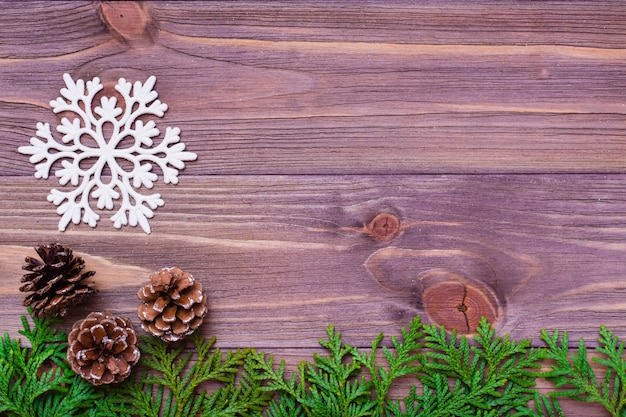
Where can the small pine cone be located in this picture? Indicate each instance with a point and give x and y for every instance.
(102, 348)
(55, 281)
(173, 304)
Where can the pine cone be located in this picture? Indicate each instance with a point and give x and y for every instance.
(173, 305)
(102, 348)
(55, 281)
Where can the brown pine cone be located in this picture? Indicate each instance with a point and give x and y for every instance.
(173, 304)
(55, 281)
(102, 348)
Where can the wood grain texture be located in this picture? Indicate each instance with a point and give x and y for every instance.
(296, 88)
(296, 253)
(359, 162)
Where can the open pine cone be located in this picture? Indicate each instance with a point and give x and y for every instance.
(173, 304)
(55, 281)
(102, 348)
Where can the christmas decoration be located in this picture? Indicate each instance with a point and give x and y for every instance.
(173, 304)
(112, 141)
(55, 281)
(439, 372)
(102, 348)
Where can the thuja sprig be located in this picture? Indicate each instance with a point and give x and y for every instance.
(437, 401)
(576, 377)
(330, 386)
(402, 361)
(492, 377)
(542, 406)
(335, 385)
(36, 380)
(447, 375)
(170, 384)
(495, 373)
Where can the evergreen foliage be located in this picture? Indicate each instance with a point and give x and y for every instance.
(448, 375)
(37, 381)
(171, 385)
(494, 376)
(575, 375)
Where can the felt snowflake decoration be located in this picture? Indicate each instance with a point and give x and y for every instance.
(107, 153)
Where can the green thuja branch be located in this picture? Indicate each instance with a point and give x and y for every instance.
(291, 399)
(493, 377)
(494, 374)
(438, 401)
(577, 377)
(543, 406)
(247, 398)
(336, 389)
(36, 381)
(171, 383)
(402, 361)
(446, 375)
(330, 386)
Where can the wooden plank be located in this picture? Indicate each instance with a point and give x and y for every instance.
(261, 96)
(46, 29)
(297, 253)
(318, 129)
(455, 22)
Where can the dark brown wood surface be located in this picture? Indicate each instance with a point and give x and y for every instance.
(358, 162)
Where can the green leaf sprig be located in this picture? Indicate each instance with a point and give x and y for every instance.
(169, 384)
(36, 380)
(495, 374)
(446, 375)
(577, 378)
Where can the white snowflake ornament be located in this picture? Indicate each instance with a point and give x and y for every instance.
(107, 153)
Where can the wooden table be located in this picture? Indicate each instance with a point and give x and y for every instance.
(358, 162)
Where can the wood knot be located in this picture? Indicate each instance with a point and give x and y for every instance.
(384, 226)
(459, 306)
(127, 20)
